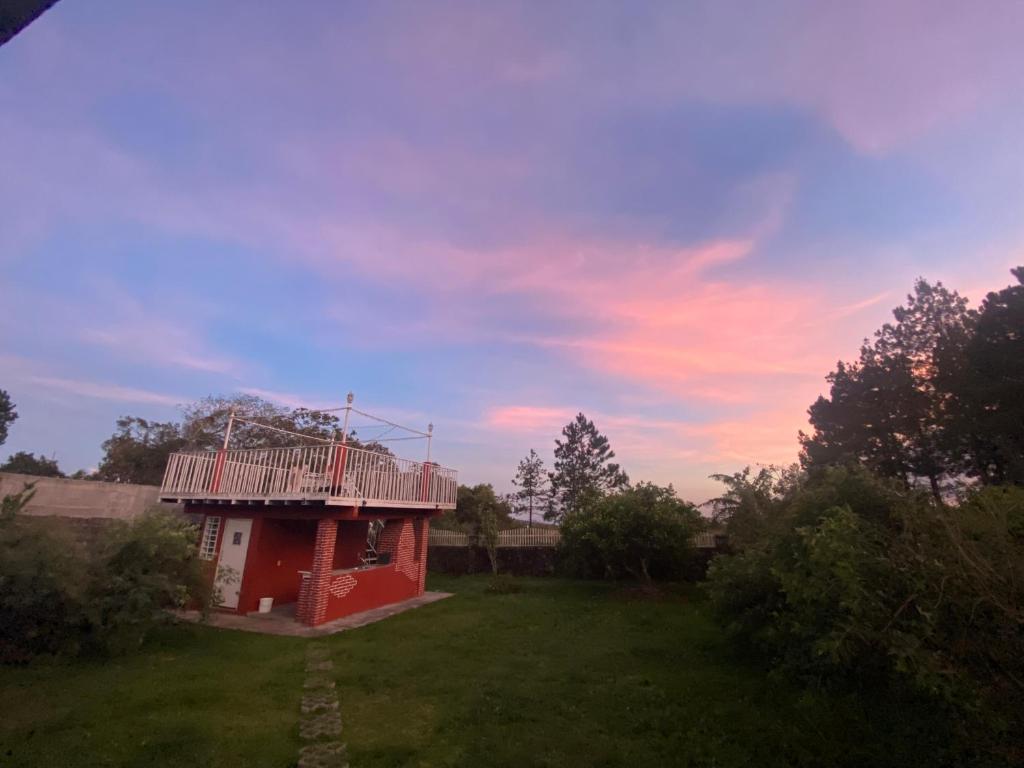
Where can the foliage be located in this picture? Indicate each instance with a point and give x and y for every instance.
(59, 599)
(30, 464)
(989, 409)
(138, 451)
(583, 469)
(7, 415)
(934, 398)
(41, 584)
(751, 506)
(143, 566)
(642, 532)
(864, 586)
(890, 410)
(206, 420)
(534, 486)
(480, 513)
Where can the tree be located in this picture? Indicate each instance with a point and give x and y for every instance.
(583, 469)
(138, 451)
(533, 483)
(480, 513)
(641, 532)
(891, 409)
(989, 426)
(206, 420)
(30, 464)
(752, 507)
(7, 415)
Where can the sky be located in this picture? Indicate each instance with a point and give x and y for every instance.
(674, 217)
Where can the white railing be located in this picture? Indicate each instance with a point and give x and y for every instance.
(529, 537)
(533, 537)
(705, 541)
(513, 537)
(309, 472)
(438, 538)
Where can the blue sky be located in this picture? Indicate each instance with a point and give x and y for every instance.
(675, 218)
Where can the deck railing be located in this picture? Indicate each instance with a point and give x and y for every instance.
(331, 471)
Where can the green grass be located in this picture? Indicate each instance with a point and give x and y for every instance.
(558, 674)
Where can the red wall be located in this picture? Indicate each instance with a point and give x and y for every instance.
(369, 588)
(362, 590)
(280, 547)
(278, 550)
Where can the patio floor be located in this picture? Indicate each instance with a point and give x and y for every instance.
(281, 620)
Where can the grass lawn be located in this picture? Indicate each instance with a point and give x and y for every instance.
(559, 674)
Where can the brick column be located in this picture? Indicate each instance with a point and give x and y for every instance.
(422, 529)
(312, 607)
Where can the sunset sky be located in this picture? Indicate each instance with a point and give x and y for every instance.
(674, 217)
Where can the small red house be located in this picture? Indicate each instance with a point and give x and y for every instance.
(332, 528)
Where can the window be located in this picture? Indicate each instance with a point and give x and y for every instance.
(208, 547)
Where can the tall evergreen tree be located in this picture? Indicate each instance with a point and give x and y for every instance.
(891, 409)
(988, 385)
(533, 485)
(583, 468)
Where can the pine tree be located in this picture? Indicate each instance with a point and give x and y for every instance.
(583, 468)
(533, 483)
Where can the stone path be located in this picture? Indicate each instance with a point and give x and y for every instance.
(320, 722)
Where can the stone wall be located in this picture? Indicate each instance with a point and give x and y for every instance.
(60, 497)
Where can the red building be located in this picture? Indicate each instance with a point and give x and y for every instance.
(332, 528)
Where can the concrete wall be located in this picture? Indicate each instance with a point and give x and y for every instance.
(83, 498)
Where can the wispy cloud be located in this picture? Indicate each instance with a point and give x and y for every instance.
(106, 391)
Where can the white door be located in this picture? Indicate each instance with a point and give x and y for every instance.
(231, 564)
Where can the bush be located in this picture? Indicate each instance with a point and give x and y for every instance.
(876, 590)
(41, 588)
(141, 568)
(56, 599)
(641, 533)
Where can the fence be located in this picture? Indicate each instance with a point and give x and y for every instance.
(535, 537)
(514, 537)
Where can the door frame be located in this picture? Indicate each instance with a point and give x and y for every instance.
(231, 592)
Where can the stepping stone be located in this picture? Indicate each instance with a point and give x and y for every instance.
(320, 666)
(317, 652)
(326, 754)
(318, 681)
(319, 726)
(317, 700)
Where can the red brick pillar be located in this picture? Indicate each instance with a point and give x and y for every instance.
(422, 529)
(312, 607)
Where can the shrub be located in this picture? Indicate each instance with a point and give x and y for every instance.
(56, 599)
(874, 589)
(143, 566)
(642, 533)
(41, 588)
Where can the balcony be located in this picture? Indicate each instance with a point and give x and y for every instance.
(326, 474)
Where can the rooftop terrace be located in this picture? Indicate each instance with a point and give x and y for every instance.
(330, 472)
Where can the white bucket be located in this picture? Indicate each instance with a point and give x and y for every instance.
(266, 603)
